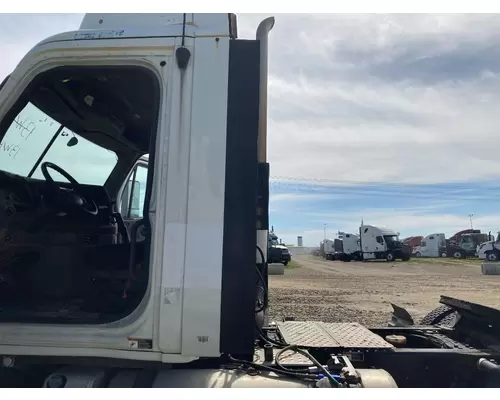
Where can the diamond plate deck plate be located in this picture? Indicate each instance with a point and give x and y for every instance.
(288, 358)
(331, 335)
(293, 358)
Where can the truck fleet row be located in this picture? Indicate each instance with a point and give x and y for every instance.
(373, 242)
(463, 244)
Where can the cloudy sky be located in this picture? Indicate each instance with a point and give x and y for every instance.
(389, 118)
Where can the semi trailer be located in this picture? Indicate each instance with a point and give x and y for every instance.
(88, 300)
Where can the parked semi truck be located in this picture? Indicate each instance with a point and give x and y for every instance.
(489, 250)
(332, 248)
(85, 302)
(351, 249)
(413, 241)
(464, 243)
(382, 243)
(277, 252)
(322, 248)
(433, 245)
(328, 249)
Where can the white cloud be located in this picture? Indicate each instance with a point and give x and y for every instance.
(395, 98)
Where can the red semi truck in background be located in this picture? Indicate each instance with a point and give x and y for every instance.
(464, 243)
(413, 241)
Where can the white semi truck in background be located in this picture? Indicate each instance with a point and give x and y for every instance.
(382, 243)
(489, 250)
(89, 299)
(332, 248)
(328, 249)
(433, 245)
(351, 249)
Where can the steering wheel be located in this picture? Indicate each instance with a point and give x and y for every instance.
(68, 198)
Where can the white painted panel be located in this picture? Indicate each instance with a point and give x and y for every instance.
(203, 264)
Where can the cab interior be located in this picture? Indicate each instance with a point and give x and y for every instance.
(74, 195)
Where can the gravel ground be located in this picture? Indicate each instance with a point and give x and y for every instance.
(333, 291)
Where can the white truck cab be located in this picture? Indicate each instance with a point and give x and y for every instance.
(382, 243)
(329, 248)
(489, 250)
(433, 245)
(351, 247)
(120, 145)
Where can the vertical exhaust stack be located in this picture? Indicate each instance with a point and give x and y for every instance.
(262, 35)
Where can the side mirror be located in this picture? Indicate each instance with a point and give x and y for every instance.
(136, 197)
(131, 208)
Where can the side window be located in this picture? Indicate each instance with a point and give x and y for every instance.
(133, 197)
(380, 240)
(424, 244)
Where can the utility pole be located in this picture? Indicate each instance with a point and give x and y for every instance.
(324, 228)
(470, 219)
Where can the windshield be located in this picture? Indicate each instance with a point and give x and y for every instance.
(34, 137)
(391, 238)
(466, 239)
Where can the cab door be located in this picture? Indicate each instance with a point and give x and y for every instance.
(155, 55)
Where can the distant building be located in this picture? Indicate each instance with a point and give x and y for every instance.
(299, 241)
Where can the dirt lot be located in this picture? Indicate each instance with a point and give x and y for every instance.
(333, 291)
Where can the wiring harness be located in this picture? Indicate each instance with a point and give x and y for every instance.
(313, 374)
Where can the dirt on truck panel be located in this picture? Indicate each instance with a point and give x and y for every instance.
(363, 291)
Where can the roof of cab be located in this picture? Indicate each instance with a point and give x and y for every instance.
(120, 26)
(204, 24)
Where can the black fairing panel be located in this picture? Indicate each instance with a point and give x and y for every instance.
(239, 247)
